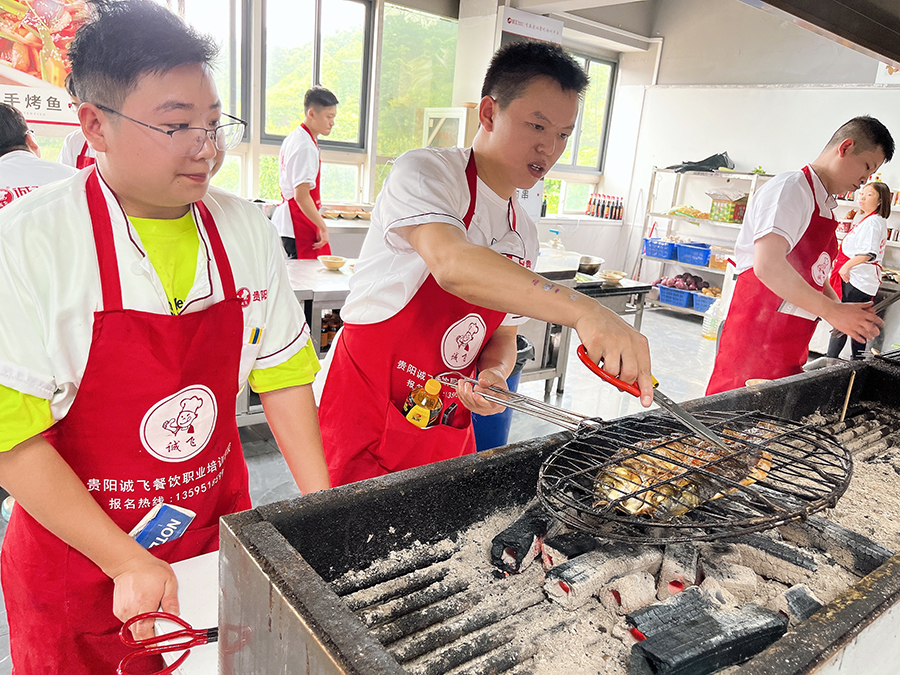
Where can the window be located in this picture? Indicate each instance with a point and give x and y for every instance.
(229, 176)
(222, 21)
(417, 65)
(587, 145)
(295, 60)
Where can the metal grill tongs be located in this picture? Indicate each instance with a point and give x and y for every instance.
(530, 406)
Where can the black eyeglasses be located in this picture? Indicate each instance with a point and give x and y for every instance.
(188, 141)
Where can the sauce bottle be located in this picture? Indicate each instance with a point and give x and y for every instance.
(423, 405)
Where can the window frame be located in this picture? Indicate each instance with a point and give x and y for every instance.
(573, 168)
(361, 146)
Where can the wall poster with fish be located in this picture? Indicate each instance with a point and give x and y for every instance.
(34, 44)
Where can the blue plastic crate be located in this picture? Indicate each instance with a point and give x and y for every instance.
(703, 302)
(694, 253)
(675, 296)
(659, 249)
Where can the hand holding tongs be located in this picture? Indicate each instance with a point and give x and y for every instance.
(530, 406)
(661, 399)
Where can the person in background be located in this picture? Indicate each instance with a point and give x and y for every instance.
(75, 149)
(445, 277)
(303, 231)
(784, 255)
(135, 302)
(857, 271)
(21, 167)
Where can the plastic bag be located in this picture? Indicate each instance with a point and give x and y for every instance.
(711, 163)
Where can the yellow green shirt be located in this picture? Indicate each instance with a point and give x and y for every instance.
(172, 247)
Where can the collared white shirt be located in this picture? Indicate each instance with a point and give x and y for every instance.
(783, 205)
(50, 286)
(429, 186)
(72, 146)
(298, 163)
(21, 171)
(869, 237)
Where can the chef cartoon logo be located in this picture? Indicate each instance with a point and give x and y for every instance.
(462, 341)
(244, 295)
(821, 269)
(178, 427)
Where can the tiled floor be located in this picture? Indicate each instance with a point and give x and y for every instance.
(682, 362)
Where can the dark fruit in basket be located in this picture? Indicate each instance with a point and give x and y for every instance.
(697, 280)
(705, 284)
(671, 283)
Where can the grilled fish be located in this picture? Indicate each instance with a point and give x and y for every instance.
(671, 477)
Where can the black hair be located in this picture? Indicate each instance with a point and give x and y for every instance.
(13, 129)
(884, 194)
(318, 97)
(126, 39)
(514, 66)
(867, 133)
(69, 84)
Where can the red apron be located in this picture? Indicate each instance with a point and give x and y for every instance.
(153, 421)
(306, 232)
(83, 158)
(375, 366)
(836, 281)
(758, 340)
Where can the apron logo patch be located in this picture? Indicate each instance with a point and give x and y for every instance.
(179, 427)
(462, 342)
(821, 269)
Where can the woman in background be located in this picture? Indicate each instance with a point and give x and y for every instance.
(857, 270)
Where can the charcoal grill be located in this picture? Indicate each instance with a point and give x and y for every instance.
(281, 607)
(805, 470)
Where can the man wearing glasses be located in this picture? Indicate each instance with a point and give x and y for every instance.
(135, 301)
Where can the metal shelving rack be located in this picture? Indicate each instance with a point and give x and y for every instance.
(654, 212)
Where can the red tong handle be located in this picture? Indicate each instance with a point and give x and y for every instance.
(615, 381)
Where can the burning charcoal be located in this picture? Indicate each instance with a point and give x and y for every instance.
(574, 582)
(629, 593)
(707, 642)
(798, 602)
(678, 570)
(773, 559)
(557, 550)
(519, 544)
(851, 550)
(738, 580)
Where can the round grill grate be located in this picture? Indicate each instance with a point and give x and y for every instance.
(650, 480)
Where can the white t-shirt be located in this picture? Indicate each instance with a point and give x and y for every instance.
(783, 205)
(429, 186)
(298, 163)
(868, 237)
(50, 286)
(72, 147)
(21, 171)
